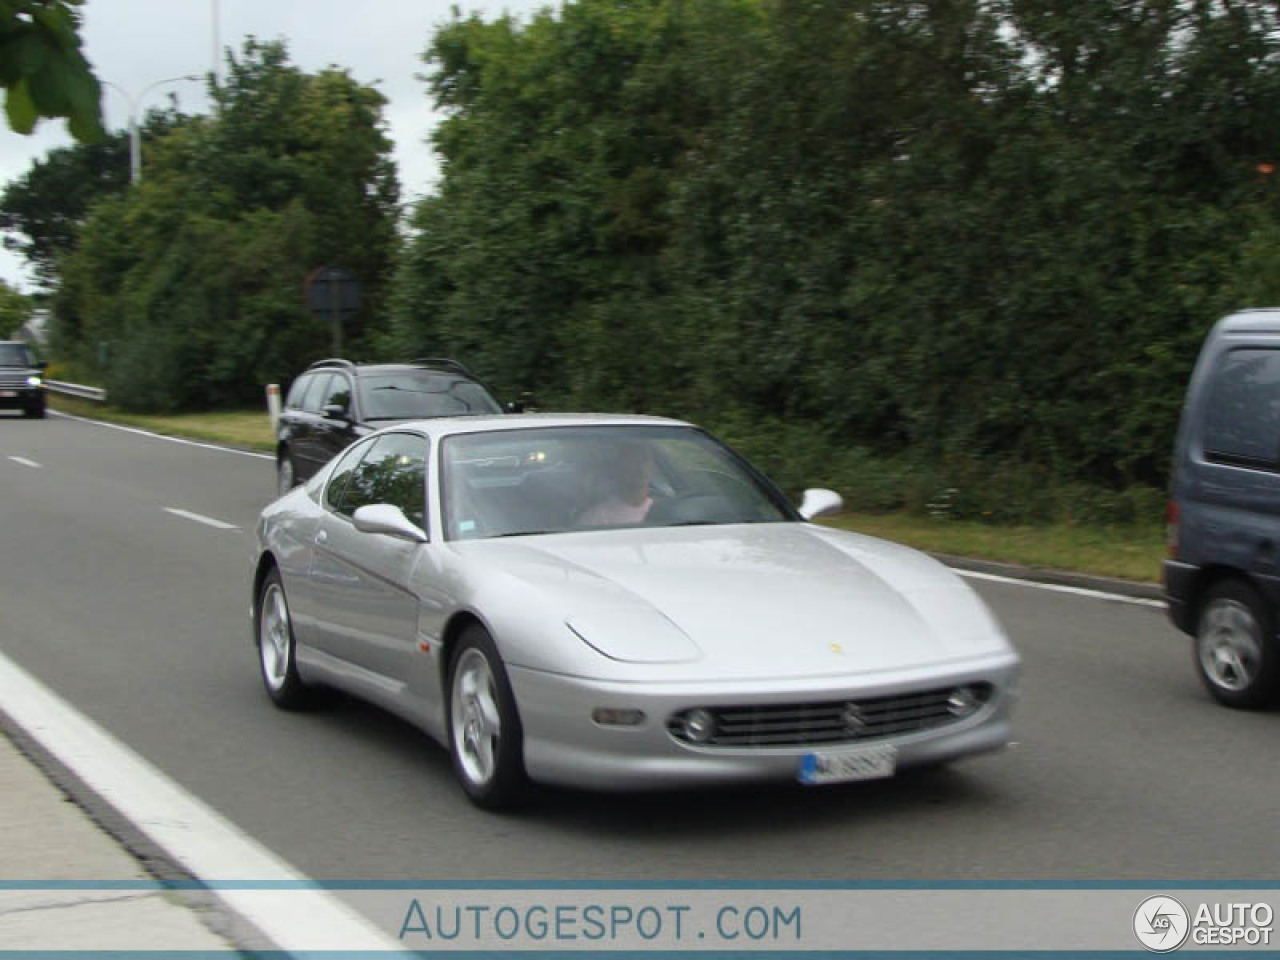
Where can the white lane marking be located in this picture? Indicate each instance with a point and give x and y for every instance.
(161, 436)
(25, 462)
(195, 835)
(1061, 588)
(200, 518)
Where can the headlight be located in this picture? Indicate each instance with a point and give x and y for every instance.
(34, 381)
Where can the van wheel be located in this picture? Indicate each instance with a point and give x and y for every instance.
(1235, 646)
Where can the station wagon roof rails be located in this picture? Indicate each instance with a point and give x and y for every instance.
(444, 362)
(332, 362)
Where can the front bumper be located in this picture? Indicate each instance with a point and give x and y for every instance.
(1179, 583)
(562, 745)
(21, 398)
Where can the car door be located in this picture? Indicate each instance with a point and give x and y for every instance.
(366, 609)
(333, 434)
(292, 426)
(306, 456)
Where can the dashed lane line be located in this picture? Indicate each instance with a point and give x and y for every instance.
(201, 518)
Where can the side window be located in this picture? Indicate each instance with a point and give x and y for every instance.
(337, 392)
(395, 472)
(1242, 416)
(342, 474)
(297, 391)
(319, 388)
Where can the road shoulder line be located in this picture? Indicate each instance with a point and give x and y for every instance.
(195, 837)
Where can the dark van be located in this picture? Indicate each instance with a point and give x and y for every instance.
(1222, 578)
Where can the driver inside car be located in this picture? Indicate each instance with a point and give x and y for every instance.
(623, 495)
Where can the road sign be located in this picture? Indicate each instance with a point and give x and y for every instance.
(334, 294)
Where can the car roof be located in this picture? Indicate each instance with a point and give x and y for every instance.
(438, 367)
(1251, 321)
(497, 423)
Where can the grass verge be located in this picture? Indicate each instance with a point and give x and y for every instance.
(1133, 553)
(247, 428)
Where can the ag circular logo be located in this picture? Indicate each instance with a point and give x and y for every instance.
(1161, 924)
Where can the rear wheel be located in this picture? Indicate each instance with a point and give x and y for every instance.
(277, 650)
(286, 475)
(1235, 646)
(486, 740)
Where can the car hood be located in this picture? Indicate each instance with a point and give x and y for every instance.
(751, 600)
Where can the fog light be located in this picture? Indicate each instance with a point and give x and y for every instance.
(699, 725)
(613, 717)
(963, 702)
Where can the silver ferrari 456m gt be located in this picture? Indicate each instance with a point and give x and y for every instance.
(617, 602)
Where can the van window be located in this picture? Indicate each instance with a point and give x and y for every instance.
(1242, 418)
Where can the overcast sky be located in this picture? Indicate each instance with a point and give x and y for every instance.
(134, 43)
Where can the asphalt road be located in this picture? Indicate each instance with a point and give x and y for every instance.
(1123, 768)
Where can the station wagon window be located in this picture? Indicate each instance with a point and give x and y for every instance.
(393, 471)
(1242, 417)
(337, 392)
(411, 394)
(297, 391)
(319, 388)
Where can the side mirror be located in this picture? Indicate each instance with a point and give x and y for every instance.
(818, 502)
(527, 403)
(334, 411)
(387, 519)
(42, 365)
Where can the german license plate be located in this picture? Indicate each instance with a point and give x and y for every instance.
(8, 393)
(844, 766)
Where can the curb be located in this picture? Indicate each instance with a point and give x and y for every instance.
(1061, 578)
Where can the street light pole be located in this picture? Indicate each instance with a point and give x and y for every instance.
(135, 135)
(217, 43)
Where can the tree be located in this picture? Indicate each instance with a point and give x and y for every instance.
(15, 310)
(186, 291)
(42, 210)
(42, 70)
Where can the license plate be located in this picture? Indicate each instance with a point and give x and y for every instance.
(844, 766)
(8, 393)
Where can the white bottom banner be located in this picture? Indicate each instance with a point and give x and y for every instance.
(694, 918)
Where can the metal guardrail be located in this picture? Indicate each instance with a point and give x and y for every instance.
(76, 390)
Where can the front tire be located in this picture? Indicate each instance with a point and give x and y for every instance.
(35, 411)
(277, 649)
(486, 740)
(1235, 646)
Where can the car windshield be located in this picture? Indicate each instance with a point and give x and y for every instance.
(414, 394)
(15, 355)
(554, 479)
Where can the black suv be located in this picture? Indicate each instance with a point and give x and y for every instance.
(21, 379)
(335, 402)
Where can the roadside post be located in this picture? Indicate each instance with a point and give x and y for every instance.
(273, 405)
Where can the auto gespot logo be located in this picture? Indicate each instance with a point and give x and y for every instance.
(1162, 924)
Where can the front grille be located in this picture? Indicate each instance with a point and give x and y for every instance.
(836, 721)
(13, 381)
